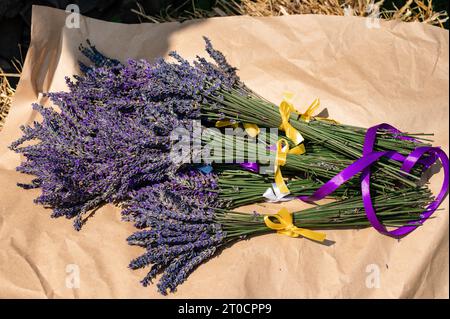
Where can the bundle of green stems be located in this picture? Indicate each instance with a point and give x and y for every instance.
(394, 209)
(240, 187)
(345, 140)
(317, 165)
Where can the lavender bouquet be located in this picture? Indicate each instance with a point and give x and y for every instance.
(182, 222)
(110, 134)
(110, 141)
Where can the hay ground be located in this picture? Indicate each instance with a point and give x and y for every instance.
(412, 10)
(7, 90)
(6, 94)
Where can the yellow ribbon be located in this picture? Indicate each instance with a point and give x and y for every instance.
(226, 123)
(280, 160)
(251, 129)
(285, 112)
(308, 115)
(285, 226)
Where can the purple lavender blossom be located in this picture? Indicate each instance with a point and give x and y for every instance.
(108, 141)
(109, 135)
(180, 231)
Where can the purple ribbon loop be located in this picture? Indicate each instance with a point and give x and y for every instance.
(363, 164)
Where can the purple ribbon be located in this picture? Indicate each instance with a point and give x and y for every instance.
(251, 166)
(363, 164)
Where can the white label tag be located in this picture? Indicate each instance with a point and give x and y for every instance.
(273, 194)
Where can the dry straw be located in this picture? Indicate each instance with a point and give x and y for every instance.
(6, 93)
(412, 10)
(6, 89)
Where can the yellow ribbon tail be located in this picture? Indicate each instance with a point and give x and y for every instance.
(310, 234)
(325, 119)
(285, 226)
(291, 132)
(307, 116)
(280, 160)
(226, 123)
(298, 150)
(281, 184)
(252, 129)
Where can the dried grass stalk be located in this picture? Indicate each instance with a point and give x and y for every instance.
(6, 94)
(6, 90)
(413, 10)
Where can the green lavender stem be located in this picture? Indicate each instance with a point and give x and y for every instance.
(315, 165)
(240, 187)
(340, 139)
(394, 209)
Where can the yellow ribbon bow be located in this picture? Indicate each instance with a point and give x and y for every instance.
(251, 129)
(285, 226)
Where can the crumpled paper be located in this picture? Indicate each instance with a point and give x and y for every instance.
(364, 72)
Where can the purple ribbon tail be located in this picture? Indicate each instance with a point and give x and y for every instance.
(251, 166)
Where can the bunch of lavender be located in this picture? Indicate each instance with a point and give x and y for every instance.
(177, 218)
(210, 85)
(219, 94)
(87, 157)
(318, 164)
(240, 104)
(110, 134)
(240, 187)
(108, 141)
(184, 222)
